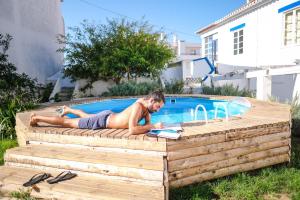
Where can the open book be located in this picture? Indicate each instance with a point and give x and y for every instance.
(171, 131)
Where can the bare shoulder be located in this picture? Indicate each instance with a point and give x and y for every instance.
(137, 106)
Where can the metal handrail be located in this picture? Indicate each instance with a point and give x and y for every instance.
(225, 108)
(205, 112)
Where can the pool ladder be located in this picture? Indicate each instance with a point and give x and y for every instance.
(225, 109)
(205, 112)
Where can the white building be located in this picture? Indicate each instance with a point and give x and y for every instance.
(180, 67)
(264, 35)
(34, 26)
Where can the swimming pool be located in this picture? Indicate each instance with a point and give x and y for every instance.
(176, 109)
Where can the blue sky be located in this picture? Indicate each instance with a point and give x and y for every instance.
(175, 16)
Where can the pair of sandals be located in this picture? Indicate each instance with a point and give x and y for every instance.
(66, 175)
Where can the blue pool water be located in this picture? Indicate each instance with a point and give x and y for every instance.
(176, 110)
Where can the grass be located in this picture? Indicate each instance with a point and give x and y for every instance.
(264, 183)
(6, 144)
(22, 195)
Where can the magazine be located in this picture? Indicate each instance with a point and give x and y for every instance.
(171, 131)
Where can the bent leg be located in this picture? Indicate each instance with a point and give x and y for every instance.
(64, 122)
(80, 113)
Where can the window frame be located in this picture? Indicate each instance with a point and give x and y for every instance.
(294, 27)
(238, 42)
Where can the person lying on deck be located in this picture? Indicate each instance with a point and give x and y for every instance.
(128, 118)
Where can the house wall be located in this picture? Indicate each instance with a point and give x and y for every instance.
(34, 25)
(263, 46)
(263, 38)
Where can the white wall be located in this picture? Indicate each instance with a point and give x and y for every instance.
(98, 88)
(263, 38)
(34, 25)
(282, 87)
(174, 72)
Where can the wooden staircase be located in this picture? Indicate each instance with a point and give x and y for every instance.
(106, 170)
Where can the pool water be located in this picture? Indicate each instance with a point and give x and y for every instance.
(176, 110)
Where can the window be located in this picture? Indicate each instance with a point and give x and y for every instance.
(211, 48)
(288, 33)
(292, 27)
(238, 42)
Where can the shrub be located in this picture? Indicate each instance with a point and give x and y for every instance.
(174, 87)
(227, 90)
(132, 88)
(17, 91)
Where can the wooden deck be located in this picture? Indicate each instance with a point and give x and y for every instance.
(259, 138)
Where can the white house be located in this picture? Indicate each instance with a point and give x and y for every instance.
(180, 67)
(260, 44)
(34, 25)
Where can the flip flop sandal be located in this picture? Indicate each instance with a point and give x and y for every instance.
(36, 179)
(66, 175)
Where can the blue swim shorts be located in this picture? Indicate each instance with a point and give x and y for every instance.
(95, 122)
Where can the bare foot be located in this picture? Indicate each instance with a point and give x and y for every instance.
(66, 110)
(63, 110)
(33, 121)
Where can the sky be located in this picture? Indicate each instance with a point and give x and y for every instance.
(180, 17)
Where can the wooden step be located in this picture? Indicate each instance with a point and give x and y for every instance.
(78, 188)
(118, 165)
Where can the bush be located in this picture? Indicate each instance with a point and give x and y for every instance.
(174, 87)
(17, 91)
(227, 90)
(132, 88)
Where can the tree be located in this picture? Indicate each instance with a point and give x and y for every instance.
(115, 50)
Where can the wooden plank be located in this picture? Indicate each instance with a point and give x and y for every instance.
(100, 132)
(197, 141)
(85, 188)
(116, 133)
(88, 156)
(62, 130)
(166, 178)
(212, 148)
(228, 162)
(89, 133)
(153, 139)
(106, 134)
(97, 141)
(127, 135)
(122, 133)
(255, 132)
(213, 157)
(229, 170)
(140, 137)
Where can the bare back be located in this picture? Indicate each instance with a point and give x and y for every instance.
(133, 114)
